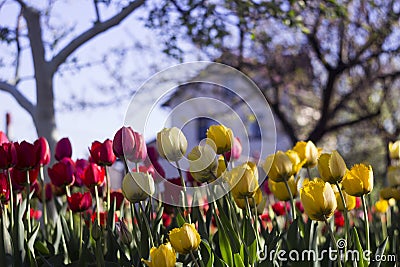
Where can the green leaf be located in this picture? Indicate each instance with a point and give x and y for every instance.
(224, 244)
(358, 246)
(32, 239)
(378, 253)
(41, 248)
(250, 239)
(206, 254)
(238, 260)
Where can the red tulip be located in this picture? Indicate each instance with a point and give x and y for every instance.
(117, 197)
(279, 208)
(236, 150)
(339, 219)
(94, 175)
(43, 151)
(103, 217)
(299, 206)
(3, 138)
(124, 142)
(62, 173)
(80, 166)
(18, 178)
(166, 218)
(36, 214)
(63, 149)
(153, 157)
(79, 202)
(27, 156)
(102, 153)
(8, 156)
(139, 152)
(4, 188)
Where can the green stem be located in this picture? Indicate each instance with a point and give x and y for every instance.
(80, 235)
(28, 205)
(96, 190)
(256, 224)
(194, 259)
(333, 239)
(345, 211)
(133, 231)
(292, 206)
(146, 222)
(71, 215)
(185, 201)
(309, 173)
(11, 198)
(366, 222)
(108, 189)
(44, 201)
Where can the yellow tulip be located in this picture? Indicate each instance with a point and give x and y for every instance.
(318, 199)
(331, 167)
(308, 152)
(381, 206)
(171, 144)
(221, 136)
(297, 163)
(350, 200)
(203, 163)
(394, 149)
(137, 186)
(241, 202)
(278, 166)
(163, 256)
(243, 180)
(221, 166)
(359, 180)
(390, 192)
(279, 189)
(393, 175)
(184, 239)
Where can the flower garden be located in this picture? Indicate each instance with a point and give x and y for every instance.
(312, 210)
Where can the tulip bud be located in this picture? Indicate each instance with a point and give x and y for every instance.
(393, 176)
(63, 149)
(8, 156)
(241, 202)
(43, 151)
(171, 144)
(243, 180)
(331, 167)
(124, 234)
(184, 239)
(359, 180)
(102, 153)
(27, 157)
(3, 138)
(297, 163)
(278, 166)
(318, 199)
(94, 175)
(280, 191)
(394, 149)
(163, 256)
(139, 152)
(308, 152)
(62, 173)
(203, 163)
(382, 206)
(137, 186)
(79, 202)
(96, 231)
(124, 142)
(221, 136)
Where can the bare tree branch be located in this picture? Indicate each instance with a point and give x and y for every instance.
(351, 122)
(19, 97)
(92, 32)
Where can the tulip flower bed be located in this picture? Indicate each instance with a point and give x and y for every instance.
(312, 210)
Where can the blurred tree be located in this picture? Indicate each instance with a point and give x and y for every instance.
(323, 66)
(50, 48)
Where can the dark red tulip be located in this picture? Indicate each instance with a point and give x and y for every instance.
(19, 179)
(79, 202)
(279, 208)
(80, 166)
(3, 138)
(27, 158)
(4, 188)
(124, 142)
(116, 197)
(339, 219)
(153, 157)
(43, 151)
(8, 156)
(94, 175)
(62, 173)
(63, 149)
(167, 219)
(48, 192)
(102, 153)
(299, 206)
